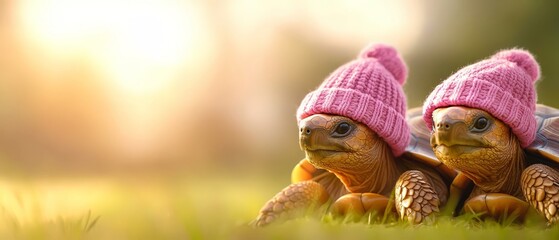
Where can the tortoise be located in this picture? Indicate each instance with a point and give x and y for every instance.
(486, 124)
(370, 173)
(352, 165)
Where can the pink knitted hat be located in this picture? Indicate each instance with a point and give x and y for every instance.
(368, 90)
(502, 85)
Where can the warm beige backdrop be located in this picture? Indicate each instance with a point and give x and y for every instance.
(206, 86)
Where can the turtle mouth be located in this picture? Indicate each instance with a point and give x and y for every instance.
(324, 158)
(457, 143)
(321, 152)
(456, 149)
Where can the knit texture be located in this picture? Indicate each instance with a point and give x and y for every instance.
(368, 90)
(502, 85)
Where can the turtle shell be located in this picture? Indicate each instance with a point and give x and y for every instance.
(419, 148)
(545, 148)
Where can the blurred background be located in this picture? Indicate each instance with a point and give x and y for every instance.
(206, 87)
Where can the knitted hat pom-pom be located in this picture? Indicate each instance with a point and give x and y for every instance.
(522, 59)
(389, 58)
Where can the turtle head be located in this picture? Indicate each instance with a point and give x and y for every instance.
(472, 141)
(335, 142)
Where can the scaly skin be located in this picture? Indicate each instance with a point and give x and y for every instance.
(490, 156)
(540, 184)
(297, 197)
(416, 198)
(364, 165)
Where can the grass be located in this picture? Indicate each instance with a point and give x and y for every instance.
(197, 208)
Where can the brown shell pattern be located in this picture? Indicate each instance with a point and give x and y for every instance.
(546, 145)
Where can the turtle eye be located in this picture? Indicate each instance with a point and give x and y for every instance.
(481, 124)
(342, 130)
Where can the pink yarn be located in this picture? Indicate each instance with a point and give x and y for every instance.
(502, 85)
(389, 58)
(368, 90)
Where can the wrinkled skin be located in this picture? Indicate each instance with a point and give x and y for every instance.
(361, 173)
(351, 157)
(487, 156)
(486, 152)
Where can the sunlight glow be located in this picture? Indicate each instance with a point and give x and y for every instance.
(141, 74)
(140, 46)
(143, 53)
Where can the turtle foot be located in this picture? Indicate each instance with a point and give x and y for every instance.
(415, 197)
(540, 185)
(498, 206)
(293, 201)
(357, 205)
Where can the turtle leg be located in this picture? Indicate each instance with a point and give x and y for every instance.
(415, 197)
(460, 188)
(293, 201)
(497, 206)
(540, 185)
(356, 205)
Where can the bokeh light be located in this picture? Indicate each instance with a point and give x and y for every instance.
(102, 86)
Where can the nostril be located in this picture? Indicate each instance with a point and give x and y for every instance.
(443, 126)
